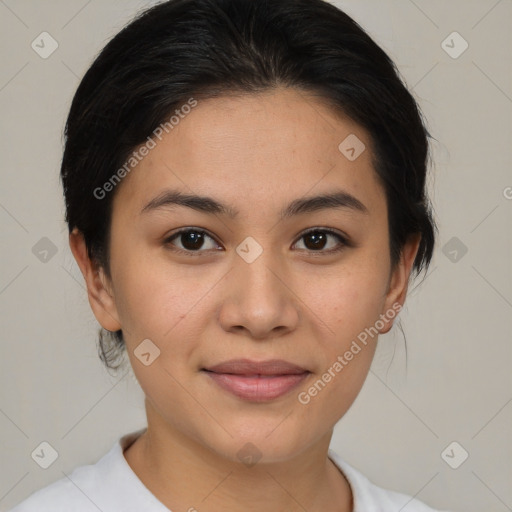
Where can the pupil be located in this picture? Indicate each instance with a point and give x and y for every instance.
(318, 240)
(192, 240)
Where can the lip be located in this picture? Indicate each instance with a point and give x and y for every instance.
(270, 367)
(257, 381)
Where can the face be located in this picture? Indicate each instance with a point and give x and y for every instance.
(236, 278)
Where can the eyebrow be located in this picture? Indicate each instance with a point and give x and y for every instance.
(204, 204)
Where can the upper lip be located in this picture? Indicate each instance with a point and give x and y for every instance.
(249, 367)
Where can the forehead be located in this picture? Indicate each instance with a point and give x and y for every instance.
(260, 148)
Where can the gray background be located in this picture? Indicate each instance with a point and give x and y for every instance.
(456, 383)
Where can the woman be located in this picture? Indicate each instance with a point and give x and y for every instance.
(245, 194)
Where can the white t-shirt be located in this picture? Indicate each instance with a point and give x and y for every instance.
(110, 485)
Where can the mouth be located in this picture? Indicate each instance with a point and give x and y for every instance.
(257, 381)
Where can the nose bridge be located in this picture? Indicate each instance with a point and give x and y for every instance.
(255, 272)
(257, 298)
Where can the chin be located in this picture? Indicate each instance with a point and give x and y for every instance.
(261, 442)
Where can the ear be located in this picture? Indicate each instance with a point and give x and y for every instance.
(399, 280)
(101, 297)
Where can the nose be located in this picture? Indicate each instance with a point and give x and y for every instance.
(259, 300)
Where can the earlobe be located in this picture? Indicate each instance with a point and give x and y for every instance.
(399, 281)
(101, 298)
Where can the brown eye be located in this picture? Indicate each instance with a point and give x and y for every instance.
(318, 240)
(191, 240)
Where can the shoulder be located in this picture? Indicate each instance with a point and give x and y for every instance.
(368, 497)
(68, 493)
(109, 484)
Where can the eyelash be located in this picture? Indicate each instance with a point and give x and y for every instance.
(344, 242)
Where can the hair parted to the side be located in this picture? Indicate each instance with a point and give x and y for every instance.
(207, 48)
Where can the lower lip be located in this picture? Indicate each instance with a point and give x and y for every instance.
(260, 388)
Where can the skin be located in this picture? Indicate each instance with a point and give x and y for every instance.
(256, 153)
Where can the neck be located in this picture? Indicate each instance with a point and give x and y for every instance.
(186, 475)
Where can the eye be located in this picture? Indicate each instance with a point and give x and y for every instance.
(191, 240)
(317, 240)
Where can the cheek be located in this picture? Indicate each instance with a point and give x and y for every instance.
(167, 306)
(349, 299)
(161, 301)
(349, 306)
